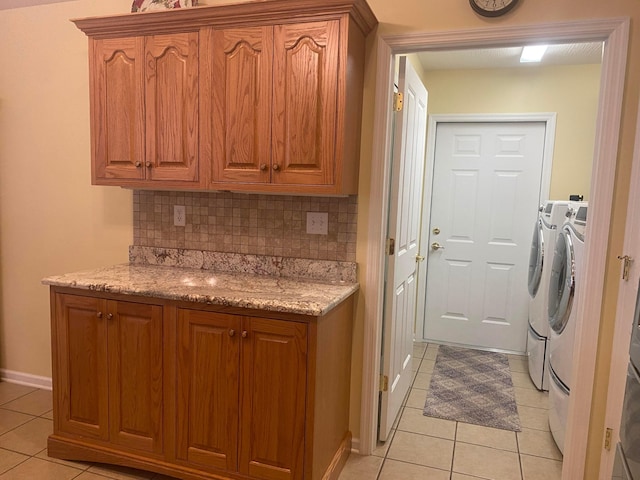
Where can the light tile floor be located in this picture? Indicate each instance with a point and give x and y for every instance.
(419, 447)
(422, 447)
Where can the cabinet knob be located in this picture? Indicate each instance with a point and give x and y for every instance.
(245, 334)
(99, 314)
(109, 316)
(138, 164)
(232, 332)
(149, 164)
(263, 166)
(276, 167)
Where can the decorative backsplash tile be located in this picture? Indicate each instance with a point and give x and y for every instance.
(246, 223)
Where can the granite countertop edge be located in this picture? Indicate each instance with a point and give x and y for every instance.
(252, 291)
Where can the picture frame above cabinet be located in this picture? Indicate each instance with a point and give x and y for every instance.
(251, 97)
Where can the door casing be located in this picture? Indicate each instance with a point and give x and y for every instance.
(615, 33)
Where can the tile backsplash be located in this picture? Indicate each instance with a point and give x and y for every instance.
(246, 223)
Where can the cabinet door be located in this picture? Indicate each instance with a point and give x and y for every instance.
(273, 396)
(171, 81)
(117, 109)
(207, 385)
(239, 83)
(80, 366)
(305, 90)
(135, 375)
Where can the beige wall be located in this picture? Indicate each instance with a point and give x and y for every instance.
(53, 221)
(569, 91)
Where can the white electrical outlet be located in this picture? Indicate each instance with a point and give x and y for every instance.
(179, 216)
(318, 223)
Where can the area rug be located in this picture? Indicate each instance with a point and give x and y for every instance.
(472, 386)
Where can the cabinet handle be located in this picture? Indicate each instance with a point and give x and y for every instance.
(109, 316)
(245, 334)
(232, 332)
(263, 166)
(149, 164)
(99, 314)
(276, 167)
(138, 164)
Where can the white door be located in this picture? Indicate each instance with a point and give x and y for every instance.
(486, 192)
(404, 228)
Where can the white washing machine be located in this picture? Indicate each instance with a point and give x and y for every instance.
(565, 282)
(552, 216)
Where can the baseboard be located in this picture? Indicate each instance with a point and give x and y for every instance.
(25, 379)
(355, 445)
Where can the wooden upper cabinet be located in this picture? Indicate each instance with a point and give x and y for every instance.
(256, 96)
(145, 113)
(171, 94)
(305, 108)
(238, 81)
(117, 105)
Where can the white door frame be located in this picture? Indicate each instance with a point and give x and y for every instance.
(615, 33)
(625, 310)
(549, 120)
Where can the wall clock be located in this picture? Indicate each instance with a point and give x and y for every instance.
(492, 8)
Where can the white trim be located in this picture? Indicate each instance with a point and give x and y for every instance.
(625, 309)
(26, 379)
(603, 179)
(378, 212)
(614, 31)
(355, 446)
(549, 119)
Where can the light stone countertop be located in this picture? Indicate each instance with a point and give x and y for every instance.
(263, 292)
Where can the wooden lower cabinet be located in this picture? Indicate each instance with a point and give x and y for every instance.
(195, 392)
(108, 371)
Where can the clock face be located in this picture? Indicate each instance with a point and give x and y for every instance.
(492, 8)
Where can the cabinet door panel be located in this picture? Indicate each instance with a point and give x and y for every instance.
(135, 375)
(305, 72)
(172, 107)
(207, 406)
(80, 350)
(274, 369)
(241, 101)
(117, 101)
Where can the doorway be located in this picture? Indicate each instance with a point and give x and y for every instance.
(615, 33)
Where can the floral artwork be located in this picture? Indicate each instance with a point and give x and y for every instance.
(151, 5)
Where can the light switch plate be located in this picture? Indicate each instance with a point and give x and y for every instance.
(318, 223)
(179, 216)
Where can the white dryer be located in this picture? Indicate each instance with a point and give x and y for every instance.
(552, 216)
(565, 282)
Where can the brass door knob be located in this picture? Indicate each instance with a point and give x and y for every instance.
(99, 314)
(419, 258)
(245, 334)
(276, 167)
(436, 246)
(232, 332)
(263, 166)
(149, 164)
(138, 164)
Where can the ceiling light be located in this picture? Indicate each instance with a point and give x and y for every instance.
(532, 53)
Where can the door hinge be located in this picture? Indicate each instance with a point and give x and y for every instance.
(391, 246)
(384, 383)
(608, 434)
(398, 101)
(626, 265)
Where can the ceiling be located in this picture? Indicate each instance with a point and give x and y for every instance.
(509, 57)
